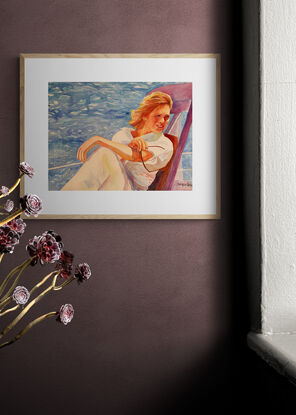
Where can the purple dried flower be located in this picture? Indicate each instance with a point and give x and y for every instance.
(21, 295)
(82, 272)
(46, 247)
(4, 190)
(65, 264)
(9, 205)
(8, 239)
(32, 249)
(66, 313)
(17, 225)
(25, 168)
(31, 204)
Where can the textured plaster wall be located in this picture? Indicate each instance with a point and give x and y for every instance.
(152, 328)
(278, 165)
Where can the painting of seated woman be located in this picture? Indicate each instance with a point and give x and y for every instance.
(119, 136)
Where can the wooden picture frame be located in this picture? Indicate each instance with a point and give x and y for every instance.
(67, 98)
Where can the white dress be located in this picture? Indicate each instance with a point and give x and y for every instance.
(130, 175)
(161, 148)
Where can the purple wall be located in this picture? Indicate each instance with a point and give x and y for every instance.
(152, 326)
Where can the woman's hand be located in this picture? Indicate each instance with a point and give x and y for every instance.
(86, 147)
(138, 144)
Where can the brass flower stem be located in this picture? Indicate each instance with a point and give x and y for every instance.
(42, 282)
(13, 216)
(27, 308)
(16, 280)
(12, 272)
(59, 287)
(10, 275)
(12, 188)
(8, 300)
(5, 302)
(1, 257)
(9, 310)
(28, 327)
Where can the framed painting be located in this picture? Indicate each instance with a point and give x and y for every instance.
(122, 136)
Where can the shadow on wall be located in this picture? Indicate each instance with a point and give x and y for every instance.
(141, 342)
(202, 386)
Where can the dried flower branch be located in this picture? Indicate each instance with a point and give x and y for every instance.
(25, 168)
(5, 191)
(31, 204)
(46, 248)
(82, 272)
(28, 307)
(21, 295)
(5, 302)
(16, 280)
(28, 327)
(66, 314)
(65, 264)
(11, 217)
(12, 272)
(9, 205)
(8, 239)
(9, 299)
(9, 310)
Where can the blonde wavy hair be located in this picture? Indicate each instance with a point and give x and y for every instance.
(147, 105)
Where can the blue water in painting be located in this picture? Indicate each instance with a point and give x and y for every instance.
(79, 110)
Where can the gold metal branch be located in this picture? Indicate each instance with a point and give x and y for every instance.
(42, 282)
(1, 257)
(13, 216)
(9, 299)
(5, 302)
(17, 279)
(28, 327)
(12, 188)
(9, 310)
(12, 272)
(59, 287)
(27, 308)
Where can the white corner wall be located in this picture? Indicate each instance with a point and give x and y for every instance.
(278, 165)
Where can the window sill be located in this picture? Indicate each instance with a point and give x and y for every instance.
(278, 350)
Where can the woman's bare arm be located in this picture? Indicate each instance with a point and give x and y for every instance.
(123, 150)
